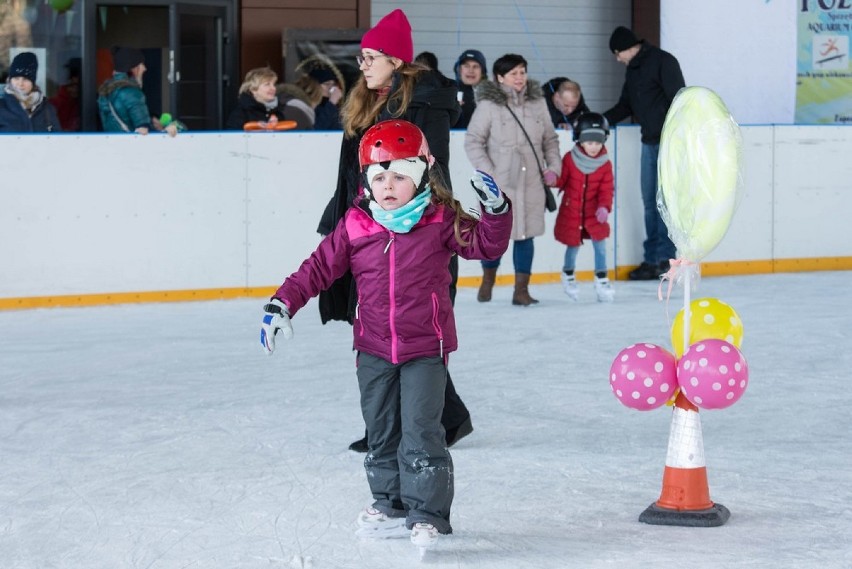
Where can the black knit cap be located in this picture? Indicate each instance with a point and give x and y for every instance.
(126, 58)
(24, 65)
(621, 39)
(322, 74)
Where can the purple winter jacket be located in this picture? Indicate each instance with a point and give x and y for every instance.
(404, 310)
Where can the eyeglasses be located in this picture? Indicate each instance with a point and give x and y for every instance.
(368, 59)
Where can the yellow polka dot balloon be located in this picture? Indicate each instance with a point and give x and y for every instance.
(710, 318)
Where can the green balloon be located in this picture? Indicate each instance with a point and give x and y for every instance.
(61, 5)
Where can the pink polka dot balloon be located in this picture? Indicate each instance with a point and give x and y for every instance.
(713, 374)
(643, 376)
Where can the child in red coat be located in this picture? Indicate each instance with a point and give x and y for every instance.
(587, 188)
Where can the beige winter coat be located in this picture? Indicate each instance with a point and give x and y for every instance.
(496, 144)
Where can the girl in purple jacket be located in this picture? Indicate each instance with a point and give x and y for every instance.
(397, 241)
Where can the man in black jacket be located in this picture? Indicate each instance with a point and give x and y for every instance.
(652, 80)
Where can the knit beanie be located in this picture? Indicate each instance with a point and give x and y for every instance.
(468, 55)
(592, 134)
(392, 36)
(126, 58)
(322, 74)
(621, 39)
(24, 65)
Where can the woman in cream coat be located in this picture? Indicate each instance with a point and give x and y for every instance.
(495, 142)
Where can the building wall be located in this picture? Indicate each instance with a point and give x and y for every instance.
(263, 21)
(567, 38)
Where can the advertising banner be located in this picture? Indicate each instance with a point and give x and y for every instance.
(824, 76)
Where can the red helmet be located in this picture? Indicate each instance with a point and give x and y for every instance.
(392, 140)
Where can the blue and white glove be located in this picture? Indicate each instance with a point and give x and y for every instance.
(488, 193)
(276, 319)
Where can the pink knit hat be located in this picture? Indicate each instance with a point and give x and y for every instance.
(392, 36)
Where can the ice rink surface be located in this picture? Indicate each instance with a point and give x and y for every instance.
(160, 436)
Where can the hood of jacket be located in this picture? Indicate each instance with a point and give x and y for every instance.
(118, 81)
(492, 91)
(433, 90)
(289, 91)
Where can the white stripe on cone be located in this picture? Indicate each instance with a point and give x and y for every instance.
(686, 446)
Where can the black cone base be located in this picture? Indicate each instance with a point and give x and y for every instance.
(709, 518)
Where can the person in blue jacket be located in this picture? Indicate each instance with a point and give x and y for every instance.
(23, 107)
(121, 102)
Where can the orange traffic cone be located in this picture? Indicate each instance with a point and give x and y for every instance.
(685, 499)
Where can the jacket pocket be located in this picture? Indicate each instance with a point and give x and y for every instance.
(436, 324)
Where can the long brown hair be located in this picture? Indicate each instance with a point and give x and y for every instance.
(441, 195)
(363, 106)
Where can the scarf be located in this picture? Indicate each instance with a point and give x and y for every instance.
(271, 105)
(29, 102)
(402, 219)
(585, 163)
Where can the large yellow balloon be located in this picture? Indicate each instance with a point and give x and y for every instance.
(710, 319)
(699, 171)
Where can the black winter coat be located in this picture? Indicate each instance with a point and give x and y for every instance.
(468, 105)
(13, 117)
(651, 82)
(434, 109)
(556, 116)
(250, 110)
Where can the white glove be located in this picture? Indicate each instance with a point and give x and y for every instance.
(488, 193)
(276, 319)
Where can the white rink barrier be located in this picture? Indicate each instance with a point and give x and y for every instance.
(96, 218)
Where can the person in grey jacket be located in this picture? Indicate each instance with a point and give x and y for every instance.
(509, 110)
(397, 241)
(652, 80)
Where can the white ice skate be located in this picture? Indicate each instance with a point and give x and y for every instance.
(373, 524)
(604, 290)
(569, 285)
(424, 536)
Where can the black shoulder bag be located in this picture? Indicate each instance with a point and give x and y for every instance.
(549, 200)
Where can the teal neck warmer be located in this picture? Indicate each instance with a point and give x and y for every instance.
(401, 220)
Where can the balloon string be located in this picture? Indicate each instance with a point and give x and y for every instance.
(678, 268)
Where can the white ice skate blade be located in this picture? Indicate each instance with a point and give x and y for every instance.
(384, 532)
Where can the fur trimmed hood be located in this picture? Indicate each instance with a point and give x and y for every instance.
(118, 81)
(492, 91)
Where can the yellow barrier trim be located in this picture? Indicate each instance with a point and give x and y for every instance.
(134, 297)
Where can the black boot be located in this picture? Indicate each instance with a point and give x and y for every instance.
(456, 434)
(644, 272)
(360, 445)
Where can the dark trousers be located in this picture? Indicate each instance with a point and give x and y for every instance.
(658, 245)
(408, 466)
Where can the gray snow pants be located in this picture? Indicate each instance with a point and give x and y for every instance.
(408, 466)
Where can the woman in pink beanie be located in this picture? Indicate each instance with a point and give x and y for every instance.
(392, 87)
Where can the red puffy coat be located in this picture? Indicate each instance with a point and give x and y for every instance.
(582, 195)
